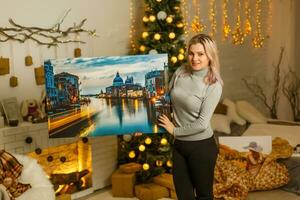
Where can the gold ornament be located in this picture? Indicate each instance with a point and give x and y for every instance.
(180, 56)
(179, 25)
(169, 19)
(181, 50)
(152, 18)
(172, 35)
(142, 147)
(173, 59)
(146, 166)
(148, 140)
(169, 163)
(142, 48)
(131, 154)
(145, 34)
(159, 163)
(158, 0)
(164, 141)
(145, 19)
(157, 36)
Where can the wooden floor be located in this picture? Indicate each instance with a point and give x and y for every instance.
(105, 194)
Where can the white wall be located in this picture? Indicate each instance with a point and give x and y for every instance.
(112, 22)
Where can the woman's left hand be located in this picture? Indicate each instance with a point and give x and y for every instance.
(166, 123)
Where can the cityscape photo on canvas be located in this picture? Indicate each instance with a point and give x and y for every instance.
(106, 95)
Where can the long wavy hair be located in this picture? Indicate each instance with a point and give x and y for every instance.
(211, 51)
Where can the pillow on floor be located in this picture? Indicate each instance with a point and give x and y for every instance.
(232, 113)
(220, 123)
(250, 113)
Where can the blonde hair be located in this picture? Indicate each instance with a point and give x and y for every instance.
(211, 51)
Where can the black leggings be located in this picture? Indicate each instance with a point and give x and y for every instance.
(193, 168)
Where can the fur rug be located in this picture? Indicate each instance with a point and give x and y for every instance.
(33, 174)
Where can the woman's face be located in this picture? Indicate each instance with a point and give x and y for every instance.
(197, 57)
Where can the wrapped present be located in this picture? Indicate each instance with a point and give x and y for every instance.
(123, 184)
(63, 197)
(4, 66)
(173, 194)
(165, 180)
(150, 191)
(130, 167)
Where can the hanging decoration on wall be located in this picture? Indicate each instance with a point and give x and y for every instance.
(28, 58)
(4, 66)
(212, 18)
(77, 50)
(237, 34)
(247, 23)
(13, 80)
(226, 26)
(39, 75)
(258, 39)
(196, 25)
(43, 36)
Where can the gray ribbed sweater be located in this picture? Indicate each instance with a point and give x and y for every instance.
(193, 104)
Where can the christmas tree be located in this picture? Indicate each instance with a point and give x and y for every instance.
(164, 34)
(164, 29)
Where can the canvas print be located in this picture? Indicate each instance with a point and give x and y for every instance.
(106, 95)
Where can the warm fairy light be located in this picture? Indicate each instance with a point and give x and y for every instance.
(145, 34)
(247, 24)
(174, 59)
(152, 18)
(185, 12)
(145, 19)
(169, 19)
(212, 17)
(270, 18)
(158, 0)
(148, 140)
(157, 36)
(164, 141)
(132, 27)
(226, 26)
(237, 34)
(258, 39)
(169, 163)
(180, 56)
(142, 48)
(146, 166)
(172, 35)
(142, 147)
(131, 154)
(196, 25)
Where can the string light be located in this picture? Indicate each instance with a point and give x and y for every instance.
(212, 17)
(237, 35)
(258, 39)
(270, 18)
(226, 26)
(196, 25)
(185, 12)
(132, 27)
(247, 27)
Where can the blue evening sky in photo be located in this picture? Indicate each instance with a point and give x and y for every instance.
(98, 73)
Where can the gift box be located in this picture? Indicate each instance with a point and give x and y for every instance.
(4, 66)
(165, 180)
(123, 184)
(173, 194)
(150, 191)
(130, 167)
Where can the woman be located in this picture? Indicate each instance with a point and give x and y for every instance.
(195, 91)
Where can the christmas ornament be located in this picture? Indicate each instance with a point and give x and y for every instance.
(159, 163)
(173, 59)
(142, 48)
(153, 51)
(161, 15)
(142, 147)
(131, 154)
(145, 34)
(169, 19)
(158, 1)
(164, 141)
(146, 166)
(179, 25)
(181, 50)
(180, 56)
(157, 36)
(148, 140)
(169, 163)
(172, 35)
(127, 138)
(145, 19)
(152, 18)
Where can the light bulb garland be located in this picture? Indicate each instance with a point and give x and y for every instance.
(270, 18)
(212, 18)
(185, 12)
(196, 25)
(237, 34)
(132, 27)
(247, 24)
(258, 39)
(226, 26)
